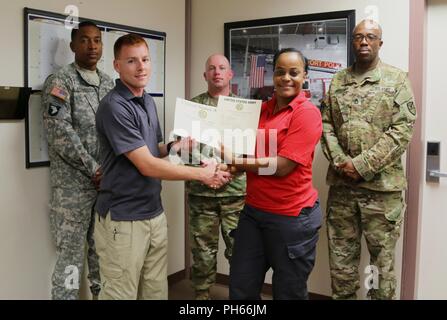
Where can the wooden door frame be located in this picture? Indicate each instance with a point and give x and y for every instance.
(415, 155)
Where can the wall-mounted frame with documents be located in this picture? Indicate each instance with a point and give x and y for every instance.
(324, 38)
(47, 40)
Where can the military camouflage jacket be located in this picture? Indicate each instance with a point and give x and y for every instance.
(69, 104)
(369, 119)
(236, 187)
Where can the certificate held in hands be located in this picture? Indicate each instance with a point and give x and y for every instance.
(197, 121)
(233, 123)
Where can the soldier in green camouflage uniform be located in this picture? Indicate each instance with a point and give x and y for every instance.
(368, 119)
(210, 208)
(70, 99)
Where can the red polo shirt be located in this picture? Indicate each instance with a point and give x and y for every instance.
(298, 130)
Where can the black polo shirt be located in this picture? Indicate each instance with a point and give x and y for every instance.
(125, 123)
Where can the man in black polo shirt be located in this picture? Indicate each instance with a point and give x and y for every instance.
(131, 231)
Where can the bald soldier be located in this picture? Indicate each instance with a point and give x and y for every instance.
(368, 119)
(209, 208)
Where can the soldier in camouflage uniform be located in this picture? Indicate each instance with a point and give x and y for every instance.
(210, 208)
(368, 119)
(70, 99)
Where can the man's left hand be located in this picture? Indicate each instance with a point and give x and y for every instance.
(185, 145)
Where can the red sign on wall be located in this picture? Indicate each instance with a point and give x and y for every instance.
(324, 64)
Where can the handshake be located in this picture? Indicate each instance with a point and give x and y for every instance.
(213, 174)
(216, 175)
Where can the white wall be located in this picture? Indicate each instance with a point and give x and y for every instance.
(432, 257)
(27, 253)
(208, 18)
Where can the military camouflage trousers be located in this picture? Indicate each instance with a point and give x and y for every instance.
(378, 215)
(71, 225)
(205, 216)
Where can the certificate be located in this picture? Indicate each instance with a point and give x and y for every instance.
(233, 123)
(197, 121)
(239, 119)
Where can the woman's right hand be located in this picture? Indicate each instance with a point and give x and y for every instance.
(228, 167)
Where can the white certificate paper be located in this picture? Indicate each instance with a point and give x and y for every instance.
(233, 123)
(239, 123)
(197, 121)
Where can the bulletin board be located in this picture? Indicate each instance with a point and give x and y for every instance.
(47, 49)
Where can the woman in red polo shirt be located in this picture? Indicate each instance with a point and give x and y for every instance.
(278, 228)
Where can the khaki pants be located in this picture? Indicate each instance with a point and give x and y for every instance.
(132, 258)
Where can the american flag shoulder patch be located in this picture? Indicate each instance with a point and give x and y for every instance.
(59, 93)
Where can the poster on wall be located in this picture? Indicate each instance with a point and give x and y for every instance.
(324, 38)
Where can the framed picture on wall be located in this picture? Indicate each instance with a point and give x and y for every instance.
(324, 38)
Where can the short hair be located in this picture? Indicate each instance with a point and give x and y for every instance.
(130, 39)
(286, 50)
(86, 23)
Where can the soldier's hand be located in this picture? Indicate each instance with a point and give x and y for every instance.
(225, 153)
(349, 170)
(96, 179)
(185, 145)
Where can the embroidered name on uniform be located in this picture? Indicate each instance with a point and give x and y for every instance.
(53, 110)
(59, 93)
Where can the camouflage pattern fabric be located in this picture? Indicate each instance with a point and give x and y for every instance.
(205, 216)
(378, 215)
(370, 121)
(69, 101)
(368, 118)
(70, 216)
(236, 187)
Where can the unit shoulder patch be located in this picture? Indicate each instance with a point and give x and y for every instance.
(53, 110)
(411, 108)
